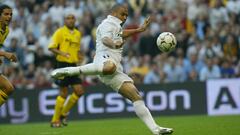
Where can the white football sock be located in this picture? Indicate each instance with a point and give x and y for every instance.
(88, 69)
(144, 114)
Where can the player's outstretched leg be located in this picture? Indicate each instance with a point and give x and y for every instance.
(55, 122)
(88, 69)
(63, 72)
(68, 106)
(128, 90)
(3, 97)
(6, 89)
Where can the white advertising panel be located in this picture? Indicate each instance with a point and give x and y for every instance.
(223, 97)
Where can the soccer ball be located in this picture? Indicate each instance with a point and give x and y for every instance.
(166, 42)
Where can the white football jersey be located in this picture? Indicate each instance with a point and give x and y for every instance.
(110, 27)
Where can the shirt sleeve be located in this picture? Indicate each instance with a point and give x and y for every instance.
(107, 30)
(55, 40)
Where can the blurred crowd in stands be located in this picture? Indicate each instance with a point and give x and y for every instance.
(207, 32)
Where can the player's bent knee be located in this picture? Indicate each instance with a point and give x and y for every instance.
(63, 93)
(79, 92)
(109, 68)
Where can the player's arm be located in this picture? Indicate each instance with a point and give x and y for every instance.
(58, 52)
(107, 41)
(54, 45)
(2, 53)
(107, 37)
(143, 27)
(8, 55)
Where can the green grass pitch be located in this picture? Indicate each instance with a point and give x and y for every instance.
(183, 125)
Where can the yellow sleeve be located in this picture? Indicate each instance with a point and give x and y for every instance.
(56, 39)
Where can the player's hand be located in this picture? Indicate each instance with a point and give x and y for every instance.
(11, 56)
(146, 23)
(118, 44)
(67, 55)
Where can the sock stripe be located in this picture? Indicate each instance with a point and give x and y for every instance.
(3, 95)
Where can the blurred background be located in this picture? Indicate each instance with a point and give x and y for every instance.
(207, 54)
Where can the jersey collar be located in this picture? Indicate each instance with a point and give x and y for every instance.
(65, 27)
(114, 19)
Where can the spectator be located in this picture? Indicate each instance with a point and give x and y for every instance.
(129, 61)
(193, 76)
(195, 9)
(207, 50)
(147, 44)
(230, 48)
(227, 71)
(209, 71)
(57, 11)
(137, 6)
(153, 76)
(218, 14)
(174, 71)
(40, 81)
(193, 63)
(143, 68)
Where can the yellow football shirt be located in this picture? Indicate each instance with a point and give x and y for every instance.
(67, 41)
(3, 35)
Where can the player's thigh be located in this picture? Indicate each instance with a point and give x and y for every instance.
(116, 80)
(104, 61)
(5, 85)
(78, 89)
(129, 91)
(109, 67)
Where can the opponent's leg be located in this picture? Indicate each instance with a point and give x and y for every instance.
(3, 97)
(6, 89)
(58, 107)
(78, 92)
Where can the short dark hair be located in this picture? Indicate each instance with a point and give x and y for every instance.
(116, 7)
(2, 7)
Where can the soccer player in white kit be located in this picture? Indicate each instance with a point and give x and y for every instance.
(106, 64)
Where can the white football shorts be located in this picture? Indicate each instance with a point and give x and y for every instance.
(115, 80)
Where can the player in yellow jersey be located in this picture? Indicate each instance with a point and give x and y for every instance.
(6, 88)
(65, 45)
